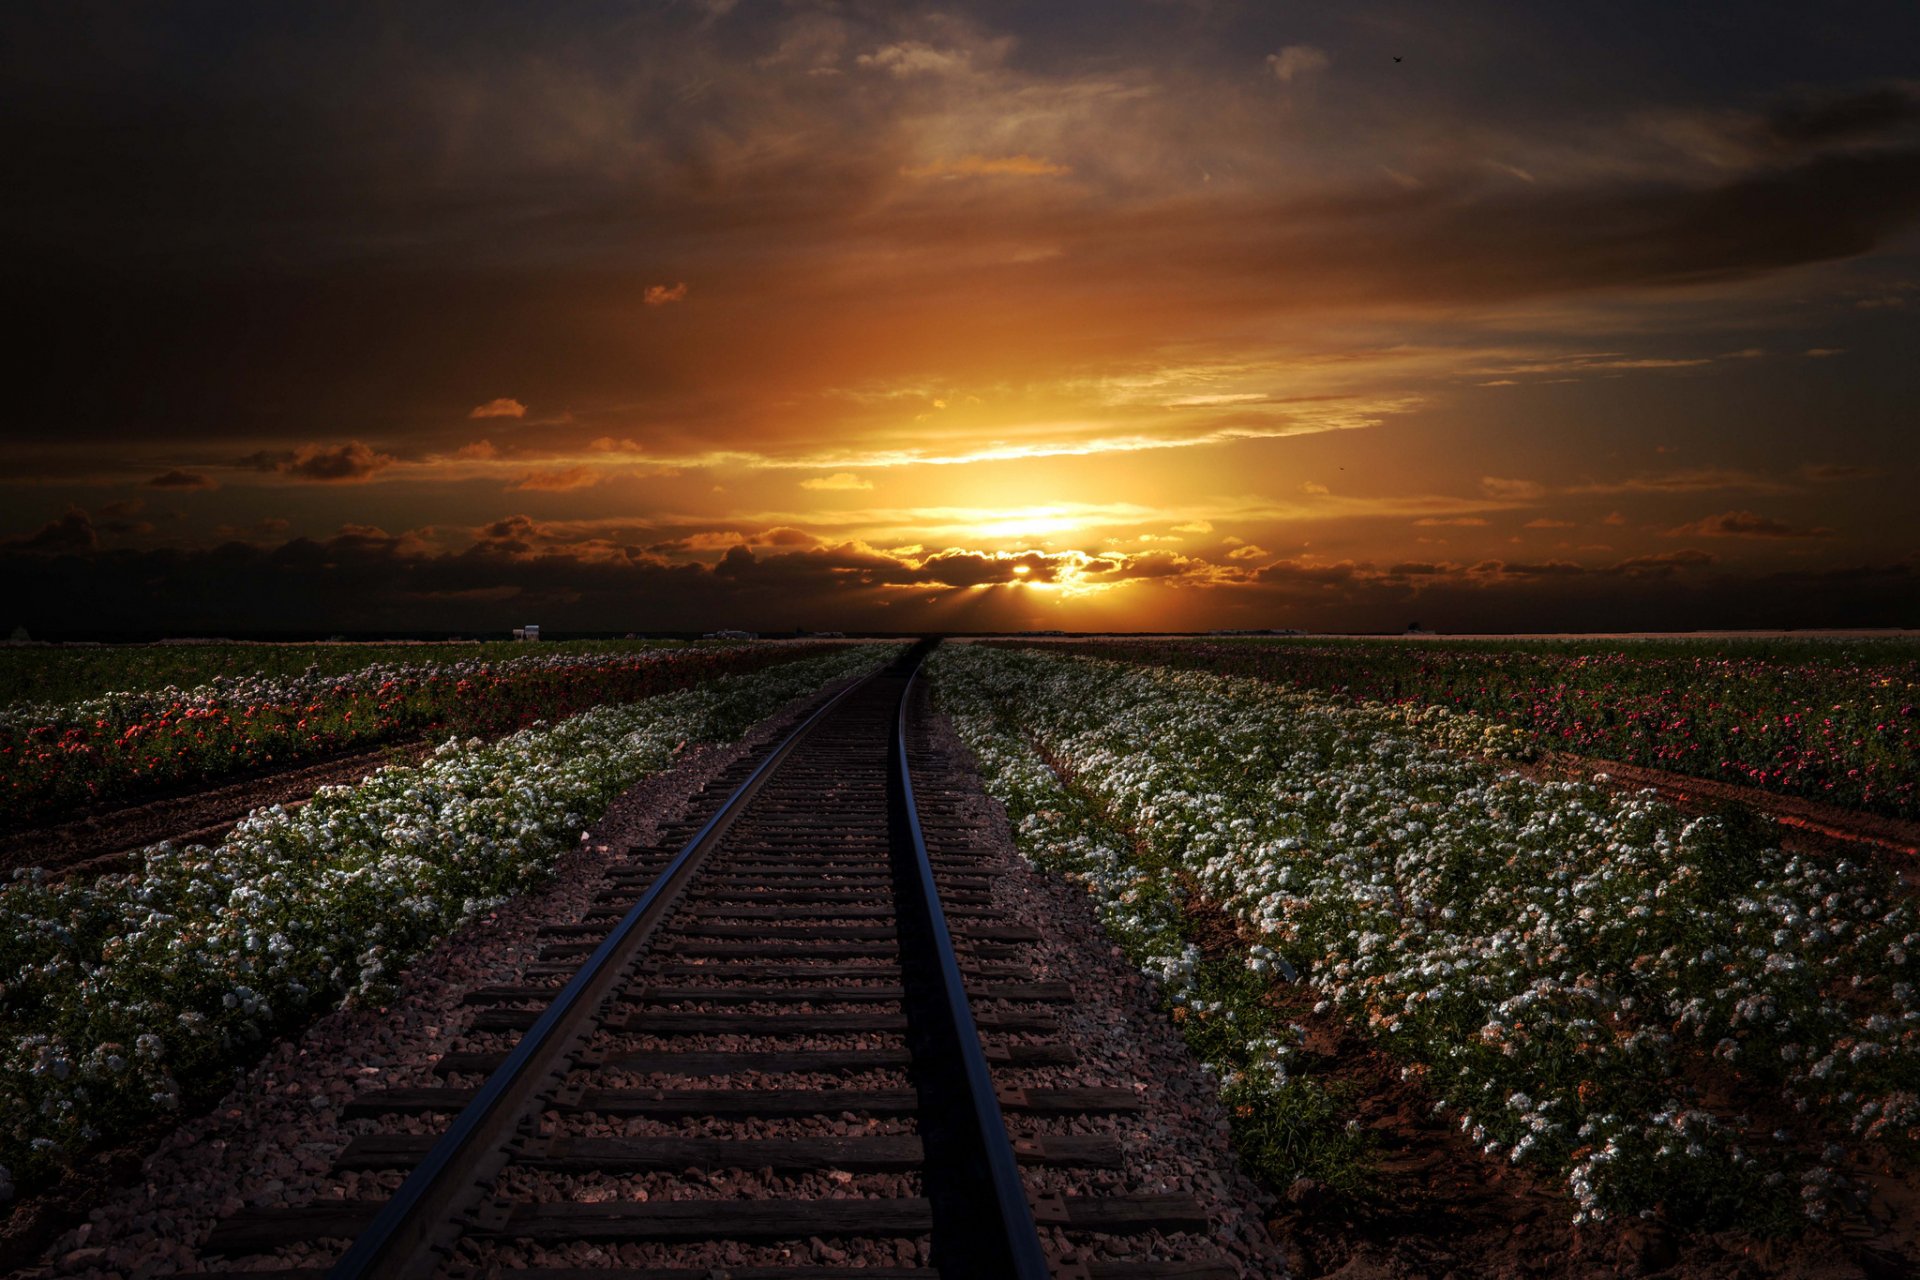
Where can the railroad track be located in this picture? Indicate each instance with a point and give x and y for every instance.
(802, 1043)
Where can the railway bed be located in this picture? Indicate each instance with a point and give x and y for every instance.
(793, 1038)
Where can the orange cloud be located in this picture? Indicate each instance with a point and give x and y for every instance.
(560, 480)
(978, 166)
(1745, 524)
(659, 295)
(838, 481)
(349, 463)
(505, 407)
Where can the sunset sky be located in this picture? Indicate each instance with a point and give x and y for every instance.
(1171, 314)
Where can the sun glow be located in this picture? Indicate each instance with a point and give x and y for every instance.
(1031, 522)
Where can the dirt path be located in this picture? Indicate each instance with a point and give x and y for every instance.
(103, 842)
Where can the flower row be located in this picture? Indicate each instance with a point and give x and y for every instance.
(1831, 721)
(128, 746)
(119, 994)
(1670, 1012)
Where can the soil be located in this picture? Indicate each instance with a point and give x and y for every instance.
(105, 841)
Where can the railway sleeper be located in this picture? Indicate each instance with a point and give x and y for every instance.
(1041, 992)
(1094, 1269)
(263, 1230)
(764, 1061)
(740, 1102)
(670, 1022)
(878, 1154)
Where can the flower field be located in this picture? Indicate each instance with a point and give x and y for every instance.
(121, 994)
(1667, 1014)
(74, 672)
(1837, 721)
(123, 747)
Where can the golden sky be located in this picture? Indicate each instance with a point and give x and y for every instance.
(1152, 315)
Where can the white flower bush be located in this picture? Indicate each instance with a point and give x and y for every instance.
(117, 992)
(1669, 1011)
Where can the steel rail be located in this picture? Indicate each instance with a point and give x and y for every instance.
(402, 1238)
(1014, 1237)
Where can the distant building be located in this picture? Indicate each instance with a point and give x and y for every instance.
(529, 632)
(731, 635)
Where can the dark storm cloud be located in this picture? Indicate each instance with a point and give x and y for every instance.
(61, 581)
(973, 569)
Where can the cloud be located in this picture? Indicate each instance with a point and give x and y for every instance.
(259, 530)
(72, 532)
(1662, 564)
(505, 407)
(1314, 488)
(659, 295)
(1546, 569)
(1843, 116)
(1470, 522)
(1744, 524)
(177, 479)
(1544, 523)
(1297, 60)
(1506, 490)
(1822, 353)
(977, 166)
(593, 573)
(1194, 526)
(837, 482)
(348, 463)
(909, 58)
(1696, 480)
(558, 480)
(1827, 472)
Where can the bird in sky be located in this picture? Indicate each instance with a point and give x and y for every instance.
(1396, 57)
